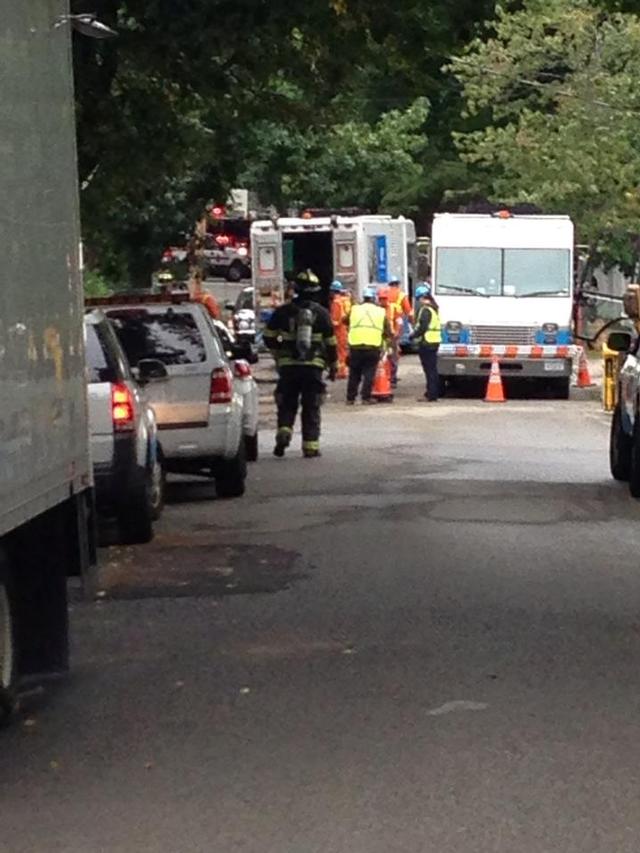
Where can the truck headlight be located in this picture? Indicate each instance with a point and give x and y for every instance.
(453, 330)
(550, 333)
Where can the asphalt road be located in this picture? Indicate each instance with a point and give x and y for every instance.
(427, 640)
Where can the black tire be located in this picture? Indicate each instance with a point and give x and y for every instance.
(619, 448)
(8, 651)
(135, 517)
(634, 466)
(251, 447)
(230, 475)
(235, 272)
(157, 490)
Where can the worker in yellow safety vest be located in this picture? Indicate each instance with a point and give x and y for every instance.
(428, 333)
(369, 331)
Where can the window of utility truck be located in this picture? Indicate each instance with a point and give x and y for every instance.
(503, 272)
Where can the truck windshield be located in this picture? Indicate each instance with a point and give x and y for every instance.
(503, 272)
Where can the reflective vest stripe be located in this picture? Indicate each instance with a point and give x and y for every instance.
(433, 335)
(366, 326)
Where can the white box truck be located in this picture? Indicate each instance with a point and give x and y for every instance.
(357, 250)
(45, 476)
(504, 284)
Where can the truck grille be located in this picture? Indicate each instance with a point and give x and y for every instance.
(517, 335)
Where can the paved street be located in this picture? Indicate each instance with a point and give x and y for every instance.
(427, 640)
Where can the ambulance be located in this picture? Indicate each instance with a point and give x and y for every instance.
(360, 251)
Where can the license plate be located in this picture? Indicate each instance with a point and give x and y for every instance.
(554, 366)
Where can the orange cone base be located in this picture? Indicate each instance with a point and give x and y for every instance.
(495, 388)
(382, 390)
(584, 376)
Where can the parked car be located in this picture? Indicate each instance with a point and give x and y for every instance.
(127, 466)
(243, 318)
(247, 385)
(200, 405)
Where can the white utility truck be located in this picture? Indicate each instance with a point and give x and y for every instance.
(504, 284)
(357, 250)
(45, 476)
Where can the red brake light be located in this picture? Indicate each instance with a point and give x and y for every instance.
(122, 408)
(242, 369)
(221, 385)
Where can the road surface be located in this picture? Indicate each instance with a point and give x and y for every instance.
(427, 640)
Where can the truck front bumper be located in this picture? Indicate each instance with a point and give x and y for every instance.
(451, 366)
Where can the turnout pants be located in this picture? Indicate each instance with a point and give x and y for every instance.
(429, 361)
(363, 362)
(300, 385)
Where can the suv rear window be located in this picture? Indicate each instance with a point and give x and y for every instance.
(172, 337)
(102, 365)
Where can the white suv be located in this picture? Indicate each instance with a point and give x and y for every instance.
(124, 441)
(200, 405)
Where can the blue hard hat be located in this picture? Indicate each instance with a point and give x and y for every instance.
(337, 287)
(370, 293)
(422, 290)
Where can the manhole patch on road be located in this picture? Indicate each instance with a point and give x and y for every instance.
(182, 571)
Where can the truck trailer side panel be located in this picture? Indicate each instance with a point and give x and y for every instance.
(45, 475)
(43, 434)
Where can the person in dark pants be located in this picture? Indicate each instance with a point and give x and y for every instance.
(368, 329)
(428, 333)
(300, 335)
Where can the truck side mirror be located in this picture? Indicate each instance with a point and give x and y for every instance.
(619, 341)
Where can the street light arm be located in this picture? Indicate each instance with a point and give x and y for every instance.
(87, 25)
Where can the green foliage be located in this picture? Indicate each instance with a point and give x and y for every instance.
(95, 284)
(354, 163)
(557, 83)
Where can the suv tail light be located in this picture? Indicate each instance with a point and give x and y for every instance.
(122, 408)
(221, 385)
(242, 369)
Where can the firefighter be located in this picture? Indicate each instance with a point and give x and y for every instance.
(340, 307)
(400, 307)
(368, 331)
(301, 338)
(428, 333)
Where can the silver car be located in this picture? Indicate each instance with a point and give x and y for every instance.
(200, 404)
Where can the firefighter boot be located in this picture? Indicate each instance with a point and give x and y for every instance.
(283, 440)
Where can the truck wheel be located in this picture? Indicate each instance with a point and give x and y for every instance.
(135, 516)
(157, 490)
(634, 466)
(230, 475)
(619, 448)
(235, 272)
(8, 656)
(251, 447)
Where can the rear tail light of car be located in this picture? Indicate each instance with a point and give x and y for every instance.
(242, 369)
(122, 408)
(221, 385)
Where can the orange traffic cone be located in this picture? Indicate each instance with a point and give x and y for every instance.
(382, 390)
(495, 389)
(584, 376)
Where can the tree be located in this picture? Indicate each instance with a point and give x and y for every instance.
(164, 109)
(349, 164)
(556, 84)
